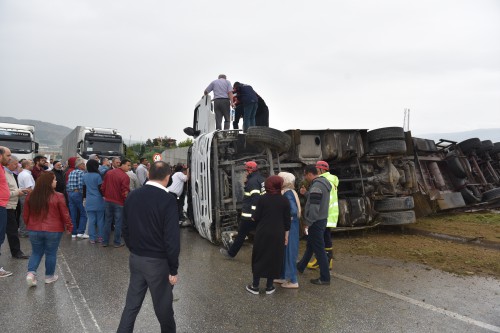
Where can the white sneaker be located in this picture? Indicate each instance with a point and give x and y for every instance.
(82, 236)
(31, 280)
(73, 236)
(51, 279)
(4, 273)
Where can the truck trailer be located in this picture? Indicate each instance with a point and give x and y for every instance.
(84, 141)
(20, 139)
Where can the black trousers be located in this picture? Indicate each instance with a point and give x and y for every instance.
(244, 229)
(149, 273)
(11, 232)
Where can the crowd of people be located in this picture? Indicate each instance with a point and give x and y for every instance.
(146, 210)
(272, 209)
(41, 199)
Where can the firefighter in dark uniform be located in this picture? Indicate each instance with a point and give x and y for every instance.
(254, 188)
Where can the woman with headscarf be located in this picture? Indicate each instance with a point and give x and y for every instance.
(272, 216)
(94, 202)
(289, 273)
(46, 216)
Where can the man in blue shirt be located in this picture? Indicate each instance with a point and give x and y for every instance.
(247, 97)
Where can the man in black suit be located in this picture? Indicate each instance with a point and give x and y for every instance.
(151, 232)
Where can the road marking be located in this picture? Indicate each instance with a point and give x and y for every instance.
(420, 303)
(73, 288)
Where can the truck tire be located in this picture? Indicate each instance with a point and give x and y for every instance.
(491, 195)
(397, 218)
(388, 147)
(263, 136)
(496, 148)
(470, 145)
(386, 133)
(486, 146)
(424, 145)
(394, 204)
(420, 144)
(471, 195)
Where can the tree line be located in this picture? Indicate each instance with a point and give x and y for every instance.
(153, 146)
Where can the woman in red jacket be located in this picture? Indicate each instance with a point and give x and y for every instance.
(46, 216)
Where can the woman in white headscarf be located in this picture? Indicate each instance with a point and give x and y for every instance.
(289, 272)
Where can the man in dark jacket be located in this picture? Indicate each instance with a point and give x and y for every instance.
(248, 98)
(151, 232)
(59, 172)
(315, 216)
(253, 189)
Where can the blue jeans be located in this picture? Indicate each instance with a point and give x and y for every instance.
(96, 219)
(3, 224)
(44, 242)
(316, 245)
(76, 207)
(249, 112)
(113, 212)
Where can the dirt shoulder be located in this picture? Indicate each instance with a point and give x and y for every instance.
(449, 256)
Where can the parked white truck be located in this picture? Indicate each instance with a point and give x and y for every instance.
(20, 139)
(84, 141)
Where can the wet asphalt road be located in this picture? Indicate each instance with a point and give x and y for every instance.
(366, 295)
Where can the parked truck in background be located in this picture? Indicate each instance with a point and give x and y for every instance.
(84, 141)
(20, 139)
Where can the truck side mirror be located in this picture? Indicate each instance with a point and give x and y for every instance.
(36, 146)
(189, 131)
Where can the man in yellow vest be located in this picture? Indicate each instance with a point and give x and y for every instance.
(333, 212)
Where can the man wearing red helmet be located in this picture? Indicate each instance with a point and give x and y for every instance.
(333, 212)
(254, 187)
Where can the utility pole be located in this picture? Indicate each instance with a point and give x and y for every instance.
(406, 120)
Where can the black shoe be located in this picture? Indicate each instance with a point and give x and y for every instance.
(319, 282)
(299, 270)
(252, 290)
(21, 255)
(271, 290)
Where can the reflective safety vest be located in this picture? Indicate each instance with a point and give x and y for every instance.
(333, 209)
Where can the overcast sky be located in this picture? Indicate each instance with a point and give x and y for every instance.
(141, 66)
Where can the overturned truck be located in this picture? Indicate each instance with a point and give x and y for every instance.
(386, 176)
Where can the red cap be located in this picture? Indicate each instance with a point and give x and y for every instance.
(251, 166)
(322, 165)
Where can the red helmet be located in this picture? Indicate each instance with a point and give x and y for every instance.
(322, 165)
(251, 166)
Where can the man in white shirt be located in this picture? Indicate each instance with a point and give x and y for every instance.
(179, 178)
(25, 179)
(26, 182)
(142, 171)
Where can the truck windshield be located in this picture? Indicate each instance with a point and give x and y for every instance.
(102, 147)
(17, 146)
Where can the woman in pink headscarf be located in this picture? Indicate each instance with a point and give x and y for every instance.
(272, 215)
